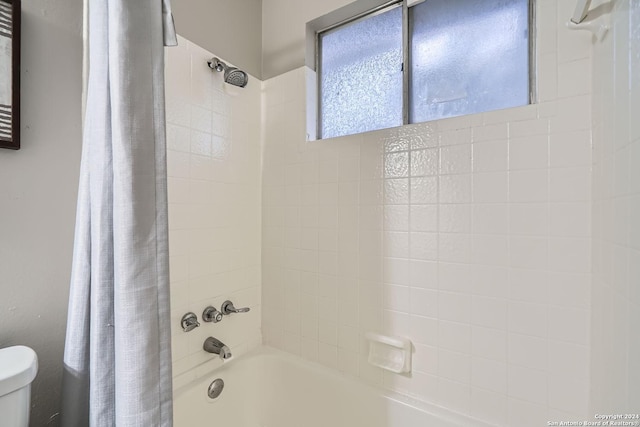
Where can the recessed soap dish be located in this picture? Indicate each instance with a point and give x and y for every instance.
(390, 353)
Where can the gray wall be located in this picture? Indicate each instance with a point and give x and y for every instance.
(284, 32)
(229, 28)
(38, 187)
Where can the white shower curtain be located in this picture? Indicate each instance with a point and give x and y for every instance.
(117, 361)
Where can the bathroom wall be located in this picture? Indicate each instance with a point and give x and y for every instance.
(284, 32)
(213, 136)
(470, 236)
(615, 350)
(231, 28)
(38, 188)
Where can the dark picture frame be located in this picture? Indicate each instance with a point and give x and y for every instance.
(10, 11)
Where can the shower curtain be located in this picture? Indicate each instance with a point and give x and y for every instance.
(117, 360)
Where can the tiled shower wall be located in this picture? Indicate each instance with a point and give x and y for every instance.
(470, 236)
(615, 317)
(213, 136)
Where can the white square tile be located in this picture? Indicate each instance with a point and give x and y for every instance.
(490, 218)
(328, 332)
(424, 190)
(490, 156)
(396, 191)
(529, 186)
(348, 338)
(528, 252)
(548, 75)
(490, 281)
(526, 414)
(425, 359)
(423, 246)
(569, 324)
(572, 397)
(424, 330)
(488, 406)
(570, 149)
(454, 277)
(489, 375)
(569, 290)
(423, 218)
(371, 192)
(455, 159)
(455, 188)
(396, 165)
(424, 302)
(574, 78)
(527, 351)
(454, 366)
(425, 162)
(527, 384)
(395, 322)
(396, 298)
(454, 218)
(489, 312)
(570, 184)
(568, 361)
(490, 250)
(454, 395)
(529, 286)
(201, 119)
(454, 336)
(569, 255)
(528, 319)
(454, 307)
(460, 134)
(396, 218)
(491, 132)
(178, 138)
(518, 129)
(423, 274)
(396, 271)
(489, 343)
(491, 187)
(529, 219)
(529, 152)
(454, 247)
(574, 113)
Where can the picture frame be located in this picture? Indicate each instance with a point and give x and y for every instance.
(10, 11)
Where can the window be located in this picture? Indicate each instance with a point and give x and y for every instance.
(436, 59)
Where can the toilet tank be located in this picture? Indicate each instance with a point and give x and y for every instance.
(18, 368)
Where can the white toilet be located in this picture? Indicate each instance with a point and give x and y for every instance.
(18, 368)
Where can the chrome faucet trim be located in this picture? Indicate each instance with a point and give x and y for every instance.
(228, 308)
(215, 346)
(189, 322)
(211, 314)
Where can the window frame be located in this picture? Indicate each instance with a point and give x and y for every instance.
(406, 55)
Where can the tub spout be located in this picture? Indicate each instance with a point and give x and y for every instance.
(215, 346)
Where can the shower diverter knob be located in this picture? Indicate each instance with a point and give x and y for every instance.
(211, 314)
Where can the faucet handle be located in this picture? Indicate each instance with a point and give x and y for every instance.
(189, 322)
(211, 314)
(228, 308)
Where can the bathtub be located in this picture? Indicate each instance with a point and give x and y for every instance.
(270, 388)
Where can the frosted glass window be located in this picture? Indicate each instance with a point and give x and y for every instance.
(468, 56)
(361, 75)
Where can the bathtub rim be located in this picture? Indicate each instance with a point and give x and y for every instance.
(430, 408)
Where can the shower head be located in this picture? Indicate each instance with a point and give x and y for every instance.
(236, 77)
(232, 75)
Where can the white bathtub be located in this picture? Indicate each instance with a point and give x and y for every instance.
(270, 388)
